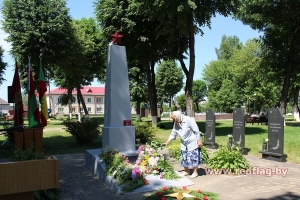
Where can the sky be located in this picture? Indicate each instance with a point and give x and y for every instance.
(204, 45)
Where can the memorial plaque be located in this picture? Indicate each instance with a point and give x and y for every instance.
(239, 129)
(275, 136)
(210, 129)
(275, 130)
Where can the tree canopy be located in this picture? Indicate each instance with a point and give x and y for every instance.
(280, 23)
(35, 28)
(3, 66)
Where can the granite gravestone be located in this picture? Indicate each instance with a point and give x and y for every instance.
(118, 131)
(210, 129)
(239, 129)
(275, 136)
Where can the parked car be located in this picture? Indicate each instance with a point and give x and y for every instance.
(289, 114)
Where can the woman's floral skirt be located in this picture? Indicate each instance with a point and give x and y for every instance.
(191, 159)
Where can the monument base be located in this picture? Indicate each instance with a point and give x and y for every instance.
(245, 150)
(120, 138)
(279, 157)
(211, 145)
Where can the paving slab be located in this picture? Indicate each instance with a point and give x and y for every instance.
(78, 182)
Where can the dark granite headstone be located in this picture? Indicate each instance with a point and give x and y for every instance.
(275, 136)
(239, 129)
(210, 129)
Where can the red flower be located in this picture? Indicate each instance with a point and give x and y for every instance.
(205, 198)
(199, 191)
(165, 188)
(184, 187)
(146, 182)
(158, 193)
(163, 198)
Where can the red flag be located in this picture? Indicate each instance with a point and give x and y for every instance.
(16, 92)
(42, 96)
(33, 110)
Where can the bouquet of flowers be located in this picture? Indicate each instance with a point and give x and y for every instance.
(152, 162)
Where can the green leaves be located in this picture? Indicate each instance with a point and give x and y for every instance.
(228, 158)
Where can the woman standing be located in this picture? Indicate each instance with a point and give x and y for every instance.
(187, 129)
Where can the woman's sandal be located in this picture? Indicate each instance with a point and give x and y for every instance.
(194, 175)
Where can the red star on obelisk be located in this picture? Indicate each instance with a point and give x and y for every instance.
(116, 38)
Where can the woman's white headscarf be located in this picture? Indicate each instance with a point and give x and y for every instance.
(178, 115)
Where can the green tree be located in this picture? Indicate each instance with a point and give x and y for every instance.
(252, 77)
(180, 100)
(86, 52)
(67, 100)
(36, 27)
(199, 92)
(138, 88)
(279, 21)
(184, 19)
(169, 81)
(3, 66)
(145, 45)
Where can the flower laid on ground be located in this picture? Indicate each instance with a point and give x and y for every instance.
(126, 175)
(132, 176)
(172, 193)
(153, 162)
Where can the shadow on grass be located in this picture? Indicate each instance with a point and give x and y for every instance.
(55, 145)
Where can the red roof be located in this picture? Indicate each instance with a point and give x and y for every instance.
(86, 90)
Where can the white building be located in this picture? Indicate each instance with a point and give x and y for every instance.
(4, 106)
(93, 98)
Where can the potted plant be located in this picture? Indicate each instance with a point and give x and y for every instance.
(29, 171)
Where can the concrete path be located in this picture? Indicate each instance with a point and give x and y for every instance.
(77, 182)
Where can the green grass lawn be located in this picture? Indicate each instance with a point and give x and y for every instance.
(58, 141)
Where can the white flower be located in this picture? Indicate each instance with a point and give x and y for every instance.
(267, 140)
(153, 161)
(229, 135)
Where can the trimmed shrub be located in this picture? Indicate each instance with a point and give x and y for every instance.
(83, 132)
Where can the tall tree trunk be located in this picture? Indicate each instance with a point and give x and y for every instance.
(87, 116)
(79, 110)
(287, 76)
(70, 97)
(286, 86)
(190, 75)
(138, 111)
(295, 104)
(152, 91)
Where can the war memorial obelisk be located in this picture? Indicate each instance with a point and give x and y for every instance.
(118, 131)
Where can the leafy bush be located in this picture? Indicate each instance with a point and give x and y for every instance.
(48, 194)
(144, 132)
(84, 132)
(174, 151)
(28, 154)
(228, 158)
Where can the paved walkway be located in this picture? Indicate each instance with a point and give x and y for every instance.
(78, 182)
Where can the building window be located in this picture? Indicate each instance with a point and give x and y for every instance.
(81, 109)
(99, 100)
(60, 110)
(99, 110)
(58, 100)
(89, 109)
(73, 110)
(89, 100)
